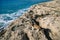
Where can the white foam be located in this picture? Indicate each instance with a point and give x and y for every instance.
(5, 19)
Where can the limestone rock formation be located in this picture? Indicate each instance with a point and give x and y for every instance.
(40, 22)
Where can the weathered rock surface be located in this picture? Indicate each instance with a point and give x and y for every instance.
(40, 22)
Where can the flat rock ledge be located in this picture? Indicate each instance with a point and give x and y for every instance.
(40, 22)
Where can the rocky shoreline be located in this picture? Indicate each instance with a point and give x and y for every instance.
(40, 22)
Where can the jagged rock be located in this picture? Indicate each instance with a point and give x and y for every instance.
(40, 22)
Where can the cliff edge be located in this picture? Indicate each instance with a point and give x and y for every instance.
(40, 22)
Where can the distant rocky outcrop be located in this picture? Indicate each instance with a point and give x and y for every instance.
(40, 22)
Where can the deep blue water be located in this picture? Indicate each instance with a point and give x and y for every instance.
(10, 6)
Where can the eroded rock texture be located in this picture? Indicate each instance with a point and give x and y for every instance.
(40, 22)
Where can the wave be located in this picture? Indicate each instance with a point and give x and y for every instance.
(5, 19)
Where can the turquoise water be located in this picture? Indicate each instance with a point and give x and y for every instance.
(10, 6)
(12, 9)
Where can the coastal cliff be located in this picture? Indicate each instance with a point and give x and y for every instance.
(40, 22)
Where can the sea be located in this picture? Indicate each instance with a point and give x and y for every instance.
(12, 9)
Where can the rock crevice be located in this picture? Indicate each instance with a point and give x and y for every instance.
(40, 22)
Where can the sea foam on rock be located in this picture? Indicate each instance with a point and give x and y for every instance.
(40, 22)
(5, 19)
